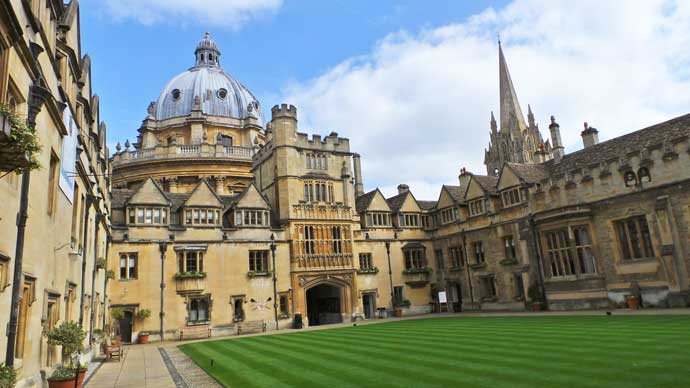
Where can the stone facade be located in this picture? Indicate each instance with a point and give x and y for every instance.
(45, 77)
(195, 222)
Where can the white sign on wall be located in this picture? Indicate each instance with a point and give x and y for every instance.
(68, 160)
(442, 297)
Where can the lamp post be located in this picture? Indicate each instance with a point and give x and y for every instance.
(390, 270)
(275, 294)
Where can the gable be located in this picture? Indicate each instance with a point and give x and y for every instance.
(410, 205)
(508, 178)
(149, 193)
(378, 203)
(251, 198)
(474, 190)
(445, 200)
(203, 196)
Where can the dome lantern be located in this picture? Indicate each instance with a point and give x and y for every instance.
(207, 52)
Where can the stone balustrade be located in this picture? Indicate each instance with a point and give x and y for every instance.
(183, 151)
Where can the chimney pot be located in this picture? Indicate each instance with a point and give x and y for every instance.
(403, 188)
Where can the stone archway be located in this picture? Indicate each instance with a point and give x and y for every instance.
(324, 299)
(324, 304)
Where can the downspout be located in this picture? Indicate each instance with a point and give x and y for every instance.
(537, 250)
(162, 247)
(105, 282)
(87, 208)
(97, 221)
(37, 96)
(467, 268)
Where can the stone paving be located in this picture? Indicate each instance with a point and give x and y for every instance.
(160, 365)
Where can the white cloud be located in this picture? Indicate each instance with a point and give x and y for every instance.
(417, 107)
(228, 13)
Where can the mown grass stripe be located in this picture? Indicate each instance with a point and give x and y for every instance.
(576, 351)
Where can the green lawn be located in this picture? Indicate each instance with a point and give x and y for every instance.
(582, 351)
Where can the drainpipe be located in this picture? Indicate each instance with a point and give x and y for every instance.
(537, 251)
(163, 247)
(467, 268)
(105, 281)
(97, 221)
(37, 96)
(87, 208)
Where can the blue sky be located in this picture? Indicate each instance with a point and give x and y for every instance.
(411, 83)
(300, 40)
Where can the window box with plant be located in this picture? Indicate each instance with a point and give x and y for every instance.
(368, 271)
(110, 274)
(417, 276)
(411, 271)
(70, 337)
(456, 269)
(100, 263)
(508, 261)
(253, 274)
(189, 281)
(18, 141)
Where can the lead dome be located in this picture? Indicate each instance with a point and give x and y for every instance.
(219, 93)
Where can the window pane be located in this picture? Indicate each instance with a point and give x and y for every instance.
(157, 216)
(148, 216)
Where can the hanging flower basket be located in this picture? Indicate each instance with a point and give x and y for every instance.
(19, 146)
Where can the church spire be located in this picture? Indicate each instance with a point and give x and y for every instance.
(511, 114)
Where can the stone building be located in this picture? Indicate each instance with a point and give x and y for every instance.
(45, 80)
(210, 186)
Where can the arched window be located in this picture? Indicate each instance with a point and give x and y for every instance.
(630, 179)
(643, 175)
(226, 140)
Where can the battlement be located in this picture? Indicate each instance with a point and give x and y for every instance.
(331, 142)
(284, 110)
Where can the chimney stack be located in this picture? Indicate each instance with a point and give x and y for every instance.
(590, 136)
(556, 142)
(359, 185)
(403, 188)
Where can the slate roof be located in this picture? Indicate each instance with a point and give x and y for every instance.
(120, 197)
(456, 192)
(363, 201)
(427, 205)
(397, 201)
(676, 128)
(530, 173)
(487, 182)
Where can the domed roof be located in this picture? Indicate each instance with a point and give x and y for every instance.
(219, 94)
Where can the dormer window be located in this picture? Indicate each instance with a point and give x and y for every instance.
(477, 207)
(147, 216)
(202, 217)
(248, 217)
(378, 219)
(449, 215)
(512, 197)
(408, 220)
(176, 94)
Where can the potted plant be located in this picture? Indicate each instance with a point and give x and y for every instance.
(144, 335)
(100, 263)
(8, 377)
(110, 274)
(397, 312)
(71, 337)
(18, 141)
(536, 297)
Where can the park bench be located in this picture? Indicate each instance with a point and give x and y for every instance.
(195, 332)
(251, 327)
(112, 348)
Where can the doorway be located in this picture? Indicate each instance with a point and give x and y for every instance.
(324, 305)
(457, 305)
(125, 325)
(369, 305)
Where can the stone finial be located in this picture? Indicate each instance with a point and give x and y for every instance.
(553, 122)
(127, 144)
(197, 102)
(205, 136)
(494, 126)
(151, 108)
(118, 147)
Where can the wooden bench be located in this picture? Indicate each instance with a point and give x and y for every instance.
(251, 327)
(112, 348)
(195, 332)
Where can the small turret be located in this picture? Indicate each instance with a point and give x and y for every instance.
(284, 123)
(494, 127)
